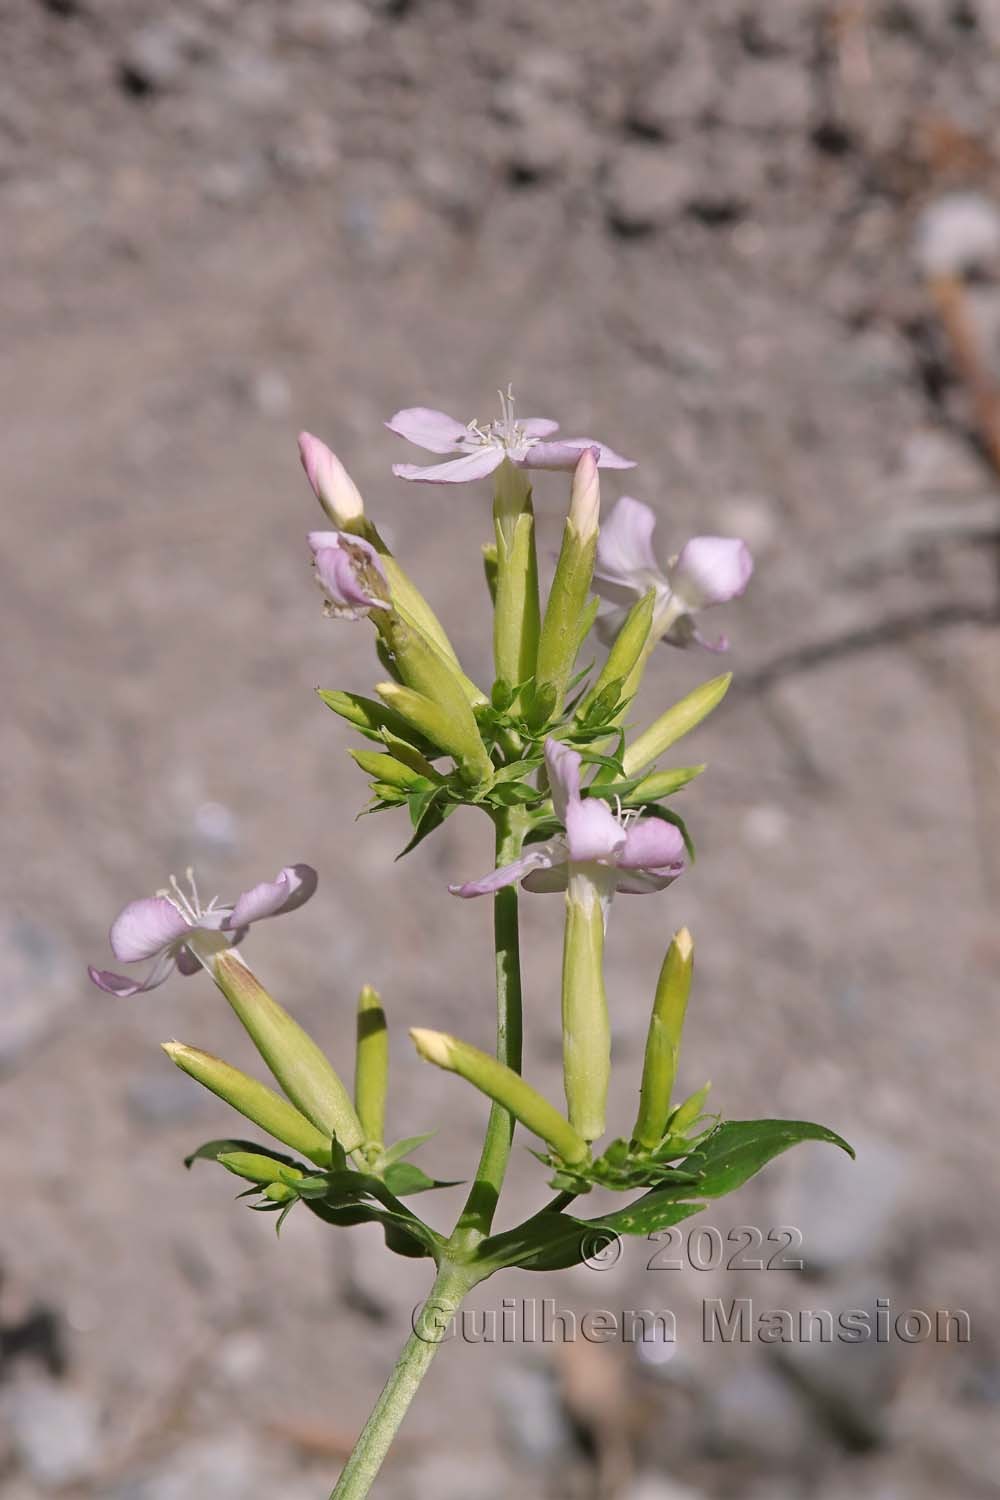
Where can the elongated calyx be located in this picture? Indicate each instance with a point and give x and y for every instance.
(505, 1087)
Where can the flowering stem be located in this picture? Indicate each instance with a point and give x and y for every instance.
(477, 1215)
(430, 1329)
(454, 1278)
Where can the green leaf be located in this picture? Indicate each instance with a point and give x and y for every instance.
(431, 816)
(727, 1158)
(406, 1147)
(737, 1149)
(404, 1178)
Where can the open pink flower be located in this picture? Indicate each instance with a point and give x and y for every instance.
(708, 570)
(623, 853)
(349, 572)
(484, 448)
(175, 931)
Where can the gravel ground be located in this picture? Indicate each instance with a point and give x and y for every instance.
(716, 237)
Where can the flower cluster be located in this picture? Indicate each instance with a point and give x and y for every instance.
(579, 806)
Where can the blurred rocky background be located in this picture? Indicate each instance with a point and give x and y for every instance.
(756, 247)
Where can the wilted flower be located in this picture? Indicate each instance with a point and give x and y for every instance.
(708, 570)
(615, 853)
(484, 448)
(175, 931)
(350, 573)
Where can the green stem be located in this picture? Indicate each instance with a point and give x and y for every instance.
(477, 1215)
(454, 1278)
(431, 1329)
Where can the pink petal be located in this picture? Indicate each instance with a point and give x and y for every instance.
(457, 471)
(339, 580)
(645, 882)
(430, 429)
(625, 553)
(292, 887)
(563, 768)
(593, 833)
(711, 570)
(543, 882)
(145, 928)
(540, 857)
(565, 453)
(538, 427)
(651, 844)
(120, 985)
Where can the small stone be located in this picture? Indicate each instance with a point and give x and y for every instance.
(645, 189)
(157, 57)
(849, 1385)
(458, 1476)
(650, 1486)
(845, 1210)
(531, 1412)
(225, 1468)
(752, 517)
(164, 1097)
(765, 826)
(766, 97)
(37, 978)
(215, 823)
(546, 146)
(228, 182)
(55, 1431)
(754, 1413)
(324, 24)
(306, 149)
(683, 95)
(365, 1284)
(240, 1357)
(958, 233)
(271, 393)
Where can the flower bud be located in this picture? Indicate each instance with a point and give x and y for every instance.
(371, 1071)
(304, 1073)
(674, 724)
(626, 656)
(560, 635)
(585, 498)
(506, 1088)
(332, 485)
(385, 768)
(659, 1067)
(255, 1101)
(661, 784)
(687, 1113)
(452, 728)
(254, 1168)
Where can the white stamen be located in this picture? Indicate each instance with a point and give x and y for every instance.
(189, 907)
